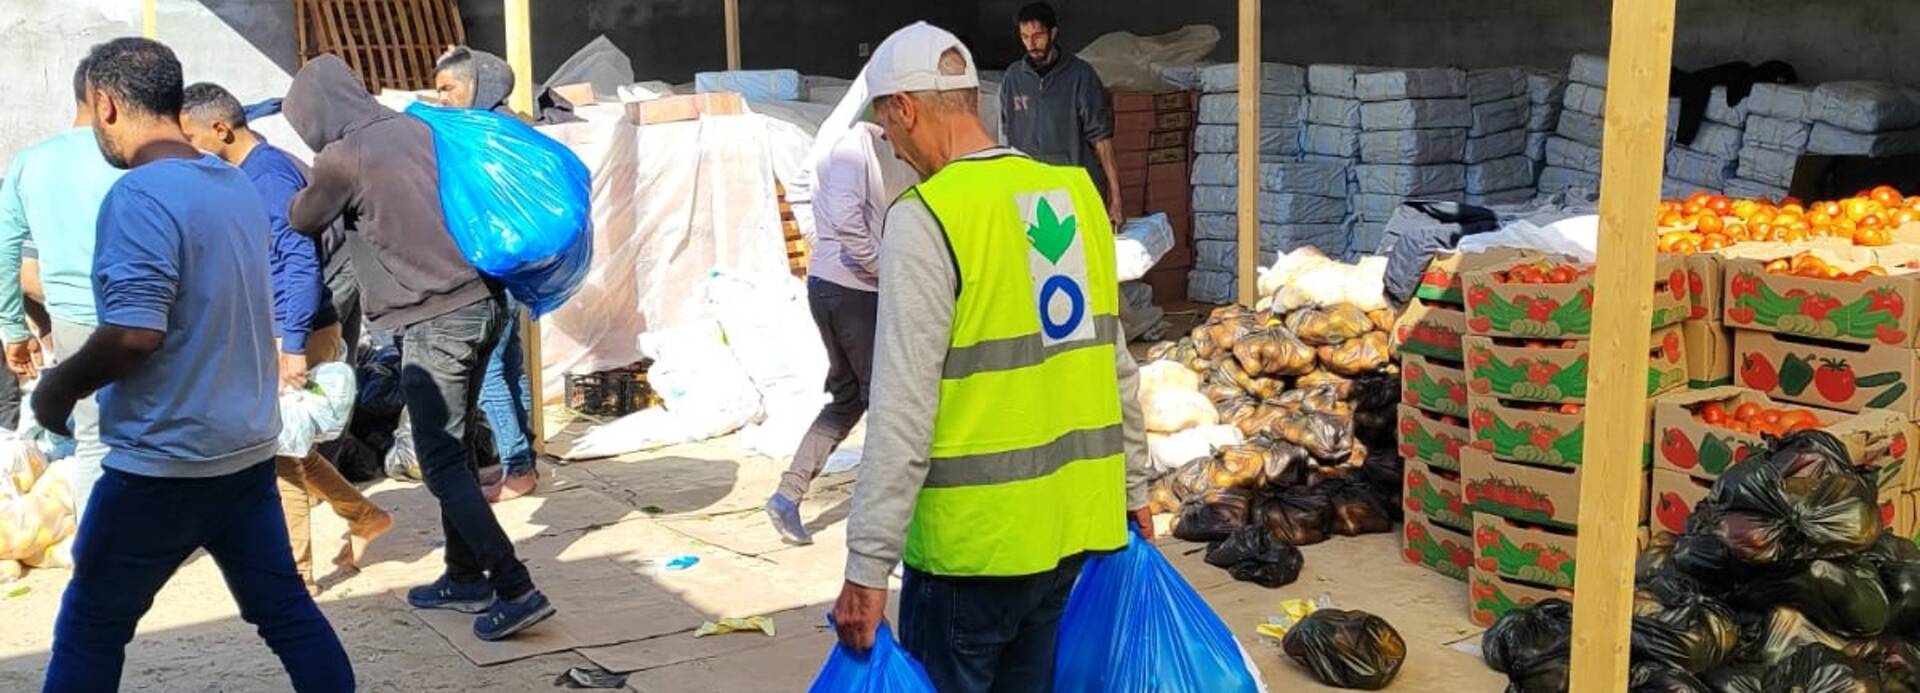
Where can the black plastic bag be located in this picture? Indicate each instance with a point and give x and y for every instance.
(1821, 669)
(1675, 626)
(1532, 646)
(1286, 463)
(1384, 472)
(1356, 510)
(379, 376)
(1737, 678)
(1324, 436)
(1656, 558)
(1843, 597)
(357, 461)
(1894, 658)
(1763, 518)
(1347, 649)
(1767, 639)
(1375, 400)
(1648, 677)
(1898, 562)
(1251, 555)
(1213, 515)
(1297, 516)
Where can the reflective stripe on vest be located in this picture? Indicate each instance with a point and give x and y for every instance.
(1028, 465)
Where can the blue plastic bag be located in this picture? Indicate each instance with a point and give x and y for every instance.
(885, 669)
(517, 202)
(1133, 625)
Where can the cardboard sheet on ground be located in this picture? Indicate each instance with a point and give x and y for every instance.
(598, 605)
(748, 533)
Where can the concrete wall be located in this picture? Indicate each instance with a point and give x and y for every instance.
(1825, 39)
(246, 45)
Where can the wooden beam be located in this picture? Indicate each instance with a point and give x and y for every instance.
(733, 34)
(1248, 245)
(520, 58)
(149, 20)
(1611, 496)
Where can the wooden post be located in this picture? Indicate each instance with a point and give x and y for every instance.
(149, 20)
(1248, 246)
(1611, 494)
(520, 58)
(733, 34)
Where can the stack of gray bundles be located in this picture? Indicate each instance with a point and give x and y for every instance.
(1708, 162)
(1546, 91)
(1779, 127)
(1498, 170)
(1301, 203)
(1572, 155)
(1281, 88)
(1865, 119)
(1414, 124)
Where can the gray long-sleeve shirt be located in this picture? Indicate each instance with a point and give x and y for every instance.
(918, 280)
(1056, 114)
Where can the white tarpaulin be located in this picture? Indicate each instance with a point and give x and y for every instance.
(1126, 61)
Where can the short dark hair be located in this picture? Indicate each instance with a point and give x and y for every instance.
(207, 102)
(457, 61)
(80, 81)
(142, 73)
(1037, 12)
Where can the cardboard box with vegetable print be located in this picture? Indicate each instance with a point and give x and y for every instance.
(1706, 283)
(1436, 494)
(1442, 280)
(1555, 371)
(1490, 596)
(1441, 549)
(1701, 433)
(1845, 377)
(1431, 329)
(1673, 498)
(1432, 438)
(1543, 434)
(1530, 554)
(1528, 493)
(1433, 385)
(1709, 349)
(1821, 295)
(1553, 298)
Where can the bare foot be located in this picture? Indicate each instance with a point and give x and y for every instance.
(357, 542)
(512, 486)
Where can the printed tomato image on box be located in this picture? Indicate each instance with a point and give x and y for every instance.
(1702, 433)
(1834, 300)
(1550, 434)
(1431, 329)
(1706, 283)
(1432, 438)
(1673, 499)
(1547, 299)
(1443, 550)
(1435, 493)
(1442, 280)
(1555, 371)
(1531, 554)
(1490, 596)
(1527, 493)
(1846, 377)
(1433, 385)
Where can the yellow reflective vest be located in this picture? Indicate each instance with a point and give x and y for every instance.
(1028, 465)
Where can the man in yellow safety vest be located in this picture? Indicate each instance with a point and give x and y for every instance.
(1005, 442)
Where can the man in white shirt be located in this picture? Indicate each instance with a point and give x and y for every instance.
(851, 194)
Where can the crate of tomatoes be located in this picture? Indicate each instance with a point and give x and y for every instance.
(1701, 433)
(1553, 298)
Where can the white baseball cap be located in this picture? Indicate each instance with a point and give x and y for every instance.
(909, 61)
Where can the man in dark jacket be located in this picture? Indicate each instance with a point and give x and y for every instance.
(1054, 108)
(378, 169)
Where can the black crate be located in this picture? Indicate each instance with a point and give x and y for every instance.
(617, 392)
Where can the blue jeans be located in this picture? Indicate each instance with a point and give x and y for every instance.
(986, 635)
(504, 397)
(139, 530)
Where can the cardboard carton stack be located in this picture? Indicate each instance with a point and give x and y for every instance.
(1572, 155)
(1526, 365)
(1779, 125)
(1153, 140)
(1546, 92)
(1433, 417)
(1865, 119)
(1498, 170)
(1295, 203)
(1414, 124)
(1706, 162)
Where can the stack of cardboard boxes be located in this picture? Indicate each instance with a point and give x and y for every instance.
(1153, 140)
(1526, 353)
(1438, 529)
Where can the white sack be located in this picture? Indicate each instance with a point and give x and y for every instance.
(1410, 114)
(1430, 146)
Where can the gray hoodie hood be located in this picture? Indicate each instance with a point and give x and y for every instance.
(492, 82)
(327, 101)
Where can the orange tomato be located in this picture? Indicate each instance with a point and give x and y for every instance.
(1872, 237)
(1744, 208)
(1671, 219)
(1819, 219)
(1795, 235)
(1720, 205)
(1770, 416)
(1736, 232)
(1570, 409)
(1699, 198)
(1686, 246)
(1667, 240)
(1830, 208)
(1778, 266)
(1885, 195)
(1857, 207)
(1708, 222)
(1793, 206)
(1873, 221)
(1713, 413)
(1906, 215)
(1762, 217)
(1747, 412)
(1713, 242)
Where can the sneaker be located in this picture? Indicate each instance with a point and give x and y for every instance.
(785, 516)
(512, 486)
(444, 593)
(506, 617)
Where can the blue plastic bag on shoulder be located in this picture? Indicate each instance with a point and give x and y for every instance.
(1133, 625)
(517, 202)
(885, 669)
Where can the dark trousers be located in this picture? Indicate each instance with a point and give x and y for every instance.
(845, 318)
(985, 635)
(442, 362)
(10, 399)
(139, 530)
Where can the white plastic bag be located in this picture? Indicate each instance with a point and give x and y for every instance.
(37, 520)
(705, 390)
(1125, 61)
(1307, 278)
(767, 325)
(318, 413)
(1175, 410)
(1140, 244)
(1170, 451)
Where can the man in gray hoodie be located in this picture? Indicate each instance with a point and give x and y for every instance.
(378, 170)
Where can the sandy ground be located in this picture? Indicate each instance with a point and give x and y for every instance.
(596, 538)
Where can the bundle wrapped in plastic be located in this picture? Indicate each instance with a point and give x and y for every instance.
(1252, 555)
(1804, 502)
(1176, 410)
(1133, 624)
(1324, 436)
(1297, 515)
(1173, 451)
(1646, 677)
(1306, 277)
(1213, 515)
(1357, 356)
(1330, 325)
(317, 413)
(1173, 490)
(1274, 351)
(1676, 626)
(1532, 646)
(1844, 597)
(1898, 563)
(37, 519)
(1347, 649)
(1356, 510)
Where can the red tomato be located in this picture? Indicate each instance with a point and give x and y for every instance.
(1747, 412)
(1713, 413)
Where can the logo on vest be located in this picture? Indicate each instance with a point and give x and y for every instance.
(1057, 262)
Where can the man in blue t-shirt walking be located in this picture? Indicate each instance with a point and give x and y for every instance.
(185, 366)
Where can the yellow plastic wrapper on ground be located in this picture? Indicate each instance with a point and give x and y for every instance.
(735, 625)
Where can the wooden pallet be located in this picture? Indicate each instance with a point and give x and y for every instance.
(798, 252)
(391, 44)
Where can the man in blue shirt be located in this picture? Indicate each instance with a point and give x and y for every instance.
(50, 198)
(305, 323)
(184, 364)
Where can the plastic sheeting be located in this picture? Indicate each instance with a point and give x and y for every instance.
(1432, 146)
(1223, 139)
(1554, 179)
(1502, 197)
(1389, 179)
(771, 332)
(1543, 117)
(1500, 174)
(1718, 141)
(319, 412)
(1210, 287)
(598, 63)
(1411, 114)
(1336, 80)
(1275, 78)
(1332, 110)
(1545, 87)
(1370, 207)
(1410, 83)
(1281, 237)
(706, 392)
(1768, 167)
(1126, 61)
(1221, 256)
(1778, 134)
(1719, 111)
(1867, 106)
(1276, 208)
(1566, 153)
(1140, 243)
(1583, 98)
(1783, 101)
(753, 85)
(1324, 178)
(1275, 111)
(1496, 83)
(1499, 116)
(1588, 69)
(1495, 146)
(1582, 128)
(1327, 140)
(1830, 139)
(1537, 145)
